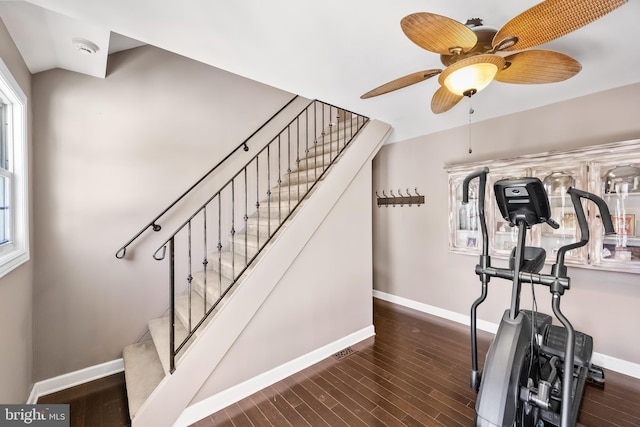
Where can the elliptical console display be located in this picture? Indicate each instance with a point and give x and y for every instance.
(529, 371)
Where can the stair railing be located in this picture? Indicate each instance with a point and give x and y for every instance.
(153, 224)
(216, 245)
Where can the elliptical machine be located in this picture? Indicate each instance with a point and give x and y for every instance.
(535, 372)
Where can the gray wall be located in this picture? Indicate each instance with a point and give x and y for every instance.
(108, 156)
(411, 257)
(16, 288)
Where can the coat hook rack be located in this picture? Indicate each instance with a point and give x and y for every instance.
(401, 199)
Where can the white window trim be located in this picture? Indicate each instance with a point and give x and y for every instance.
(18, 253)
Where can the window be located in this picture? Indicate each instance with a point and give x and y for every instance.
(14, 196)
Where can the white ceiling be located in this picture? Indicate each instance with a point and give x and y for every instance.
(332, 50)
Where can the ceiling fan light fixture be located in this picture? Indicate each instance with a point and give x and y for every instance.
(470, 79)
(471, 75)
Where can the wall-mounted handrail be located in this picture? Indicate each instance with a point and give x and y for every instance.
(153, 223)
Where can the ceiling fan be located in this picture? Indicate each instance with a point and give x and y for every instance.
(474, 55)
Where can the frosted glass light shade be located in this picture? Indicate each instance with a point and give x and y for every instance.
(471, 74)
(475, 77)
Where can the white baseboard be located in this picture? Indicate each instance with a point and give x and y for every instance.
(436, 311)
(72, 379)
(608, 362)
(212, 404)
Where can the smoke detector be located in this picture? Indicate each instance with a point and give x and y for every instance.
(84, 46)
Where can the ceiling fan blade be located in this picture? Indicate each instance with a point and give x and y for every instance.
(401, 82)
(444, 100)
(551, 19)
(538, 66)
(437, 33)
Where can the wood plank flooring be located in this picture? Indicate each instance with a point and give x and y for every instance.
(100, 403)
(415, 372)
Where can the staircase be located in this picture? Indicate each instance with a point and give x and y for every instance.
(226, 267)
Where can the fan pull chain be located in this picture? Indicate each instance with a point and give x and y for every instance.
(471, 111)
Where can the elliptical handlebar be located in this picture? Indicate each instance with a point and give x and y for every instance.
(484, 262)
(559, 268)
(605, 215)
(482, 174)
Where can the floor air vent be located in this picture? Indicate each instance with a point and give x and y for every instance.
(344, 353)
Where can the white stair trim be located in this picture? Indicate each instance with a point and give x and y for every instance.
(206, 407)
(608, 362)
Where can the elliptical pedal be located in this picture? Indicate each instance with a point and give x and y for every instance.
(595, 376)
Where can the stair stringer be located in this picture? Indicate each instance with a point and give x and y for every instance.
(176, 391)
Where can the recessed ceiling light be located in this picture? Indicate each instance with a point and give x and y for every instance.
(84, 46)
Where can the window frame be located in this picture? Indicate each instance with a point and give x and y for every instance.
(16, 251)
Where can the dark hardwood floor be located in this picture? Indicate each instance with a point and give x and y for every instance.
(101, 403)
(415, 372)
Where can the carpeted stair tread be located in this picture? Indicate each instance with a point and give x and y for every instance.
(231, 263)
(321, 148)
(143, 372)
(340, 129)
(159, 329)
(308, 173)
(247, 244)
(197, 309)
(290, 192)
(273, 209)
(319, 160)
(216, 283)
(265, 223)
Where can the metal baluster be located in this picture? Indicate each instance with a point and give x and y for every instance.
(246, 219)
(330, 135)
(279, 180)
(206, 255)
(315, 137)
(298, 155)
(268, 193)
(219, 243)
(306, 142)
(323, 135)
(233, 230)
(344, 129)
(289, 163)
(172, 306)
(189, 276)
(337, 126)
(258, 199)
(351, 125)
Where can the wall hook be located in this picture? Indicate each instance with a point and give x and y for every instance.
(401, 199)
